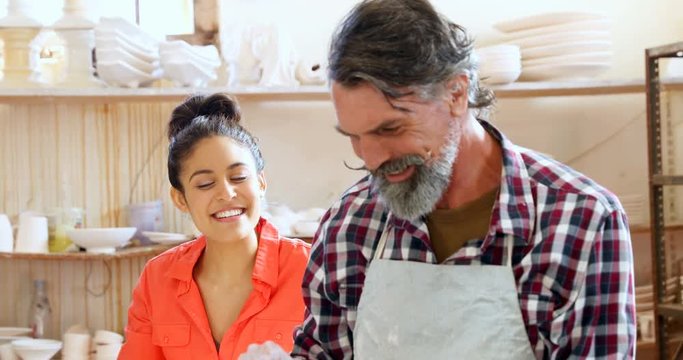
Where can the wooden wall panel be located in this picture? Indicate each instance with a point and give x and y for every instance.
(100, 157)
(93, 293)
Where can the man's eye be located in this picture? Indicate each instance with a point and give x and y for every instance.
(389, 130)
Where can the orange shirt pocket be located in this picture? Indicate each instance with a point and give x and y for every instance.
(278, 331)
(173, 339)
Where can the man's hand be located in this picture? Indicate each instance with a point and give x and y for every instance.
(266, 351)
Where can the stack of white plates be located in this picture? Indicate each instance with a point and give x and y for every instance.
(644, 296)
(563, 45)
(189, 65)
(125, 55)
(499, 64)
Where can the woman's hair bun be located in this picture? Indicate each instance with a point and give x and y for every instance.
(218, 106)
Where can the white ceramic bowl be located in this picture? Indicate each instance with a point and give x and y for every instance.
(119, 73)
(112, 41)
(108, 55)
(545, 19)
(134, 42)
(597, 56)
(572, 71)
(583, 25)
(561, 37)
(188, 74)
(501, 77)
(101, 240)
(186, 56)
(36, 349)
(131, 30)
(166, 238)
(107, 337)
(562, 49)
(208, 53)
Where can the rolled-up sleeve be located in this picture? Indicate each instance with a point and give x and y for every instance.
(325, 333)
(138, 334)
(602, 323)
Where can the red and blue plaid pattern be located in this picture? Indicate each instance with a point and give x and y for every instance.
(572, 261)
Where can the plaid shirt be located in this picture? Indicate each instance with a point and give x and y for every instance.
(572, 261)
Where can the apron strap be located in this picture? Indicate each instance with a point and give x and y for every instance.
(510, 244)
(379, 250)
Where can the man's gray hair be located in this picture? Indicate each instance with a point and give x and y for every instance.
(404, 47)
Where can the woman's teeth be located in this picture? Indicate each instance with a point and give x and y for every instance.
(229, 213)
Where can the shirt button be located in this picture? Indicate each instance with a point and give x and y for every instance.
(165, 339)
(278, 336)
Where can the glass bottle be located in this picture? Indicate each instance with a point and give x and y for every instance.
(40, 309)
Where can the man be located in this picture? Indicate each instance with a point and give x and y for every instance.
(458, 244)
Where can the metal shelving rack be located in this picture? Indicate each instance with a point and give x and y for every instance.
(657, 181)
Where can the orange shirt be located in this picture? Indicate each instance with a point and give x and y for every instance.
(167, 319)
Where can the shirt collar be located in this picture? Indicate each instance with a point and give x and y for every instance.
(513, 213)
(266, 264)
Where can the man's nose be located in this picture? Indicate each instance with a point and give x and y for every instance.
(373, 153)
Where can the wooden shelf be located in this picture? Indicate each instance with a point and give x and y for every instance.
(667, 180)
(112, 94)
(673, 310)
(311, 93)
(671, 50)
(132, 252)
(580, 88)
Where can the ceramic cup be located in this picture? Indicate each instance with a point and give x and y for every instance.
(32, 236)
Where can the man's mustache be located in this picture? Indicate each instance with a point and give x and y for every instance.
(391, 166)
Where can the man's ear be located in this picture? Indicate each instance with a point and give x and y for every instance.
(457, 90)
(179, 200)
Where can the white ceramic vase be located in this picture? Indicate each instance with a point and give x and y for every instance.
(78, 34)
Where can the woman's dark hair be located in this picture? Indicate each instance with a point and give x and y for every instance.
(399, 45)
(200, 117)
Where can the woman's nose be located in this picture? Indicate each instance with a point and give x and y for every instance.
(227, 191)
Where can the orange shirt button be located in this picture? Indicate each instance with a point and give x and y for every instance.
(278, 336)
(165, 339)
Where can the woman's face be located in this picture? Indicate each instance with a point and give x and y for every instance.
(223, 191)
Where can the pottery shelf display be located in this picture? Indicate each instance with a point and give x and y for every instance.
(18, 30)
(78, 34)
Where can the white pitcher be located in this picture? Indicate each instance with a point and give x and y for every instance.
(6, 237)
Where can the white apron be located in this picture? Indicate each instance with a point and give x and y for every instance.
(413, 310)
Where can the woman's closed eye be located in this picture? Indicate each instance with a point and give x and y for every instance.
(239, 178)
(204, 186)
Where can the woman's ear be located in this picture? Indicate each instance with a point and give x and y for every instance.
(179, 200)
(262, 183)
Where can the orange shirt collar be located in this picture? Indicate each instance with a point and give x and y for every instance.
(266, 264)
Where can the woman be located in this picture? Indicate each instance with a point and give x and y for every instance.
(240, 282)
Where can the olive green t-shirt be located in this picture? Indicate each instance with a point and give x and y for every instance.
(450, 229)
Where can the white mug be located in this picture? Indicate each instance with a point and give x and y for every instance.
(32, 235)
(6, 237)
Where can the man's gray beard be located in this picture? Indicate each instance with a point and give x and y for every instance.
(418, 195)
